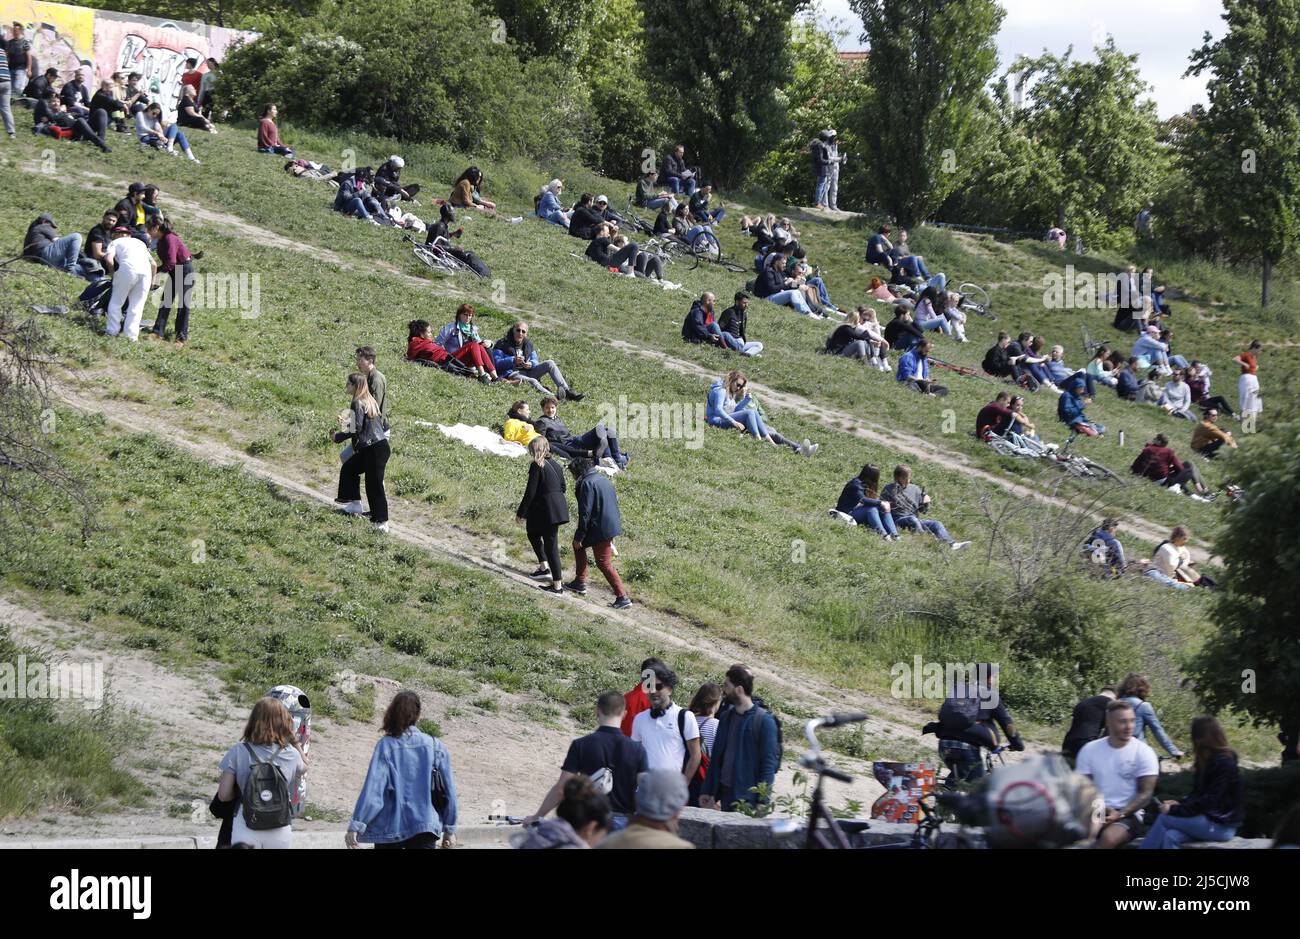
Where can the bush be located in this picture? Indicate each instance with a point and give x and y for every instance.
(1268, 794)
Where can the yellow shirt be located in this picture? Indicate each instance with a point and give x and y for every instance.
(520, 432)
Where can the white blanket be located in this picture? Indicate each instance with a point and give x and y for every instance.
(483, 439)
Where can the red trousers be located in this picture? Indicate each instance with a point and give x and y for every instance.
(475, 354)
(603, 551)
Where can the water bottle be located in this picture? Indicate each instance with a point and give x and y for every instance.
(1121, 438)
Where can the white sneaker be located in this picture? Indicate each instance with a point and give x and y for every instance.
(812, 449)
(1199, 498)
(353, 507)
(958, 545)
(1176, 488)
(841, 517)
(381, 527)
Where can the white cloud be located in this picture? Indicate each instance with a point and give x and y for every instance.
(1163, 33)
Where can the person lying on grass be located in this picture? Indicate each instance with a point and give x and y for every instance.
(599, 443)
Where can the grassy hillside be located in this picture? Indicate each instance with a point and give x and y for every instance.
(731, 538)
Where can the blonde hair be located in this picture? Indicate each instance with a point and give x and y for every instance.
(361, 392)
(852, 318)
(733, 378)
(539, 449)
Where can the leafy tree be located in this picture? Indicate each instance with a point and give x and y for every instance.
(1250, 664)
(722, 63)
(1244, 149)
(823, 92)
(930, 61)
(558, 28)
(1097, 139)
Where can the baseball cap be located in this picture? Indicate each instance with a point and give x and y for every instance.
(135, 187)
(604, 199)
(660, 794)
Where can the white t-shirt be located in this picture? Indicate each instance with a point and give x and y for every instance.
(130, 254)
(1170, 558)
(665, 746)
(1115, 770)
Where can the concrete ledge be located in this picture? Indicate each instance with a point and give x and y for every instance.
(713, 830)
(469, 836)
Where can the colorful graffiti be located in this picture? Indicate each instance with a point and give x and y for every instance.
(69, 37)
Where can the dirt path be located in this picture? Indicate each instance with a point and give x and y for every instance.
(829, 417)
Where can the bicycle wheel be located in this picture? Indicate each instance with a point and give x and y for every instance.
(975, 299)
(705, 246)
(434, 261)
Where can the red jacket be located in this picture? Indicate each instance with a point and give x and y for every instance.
(636, 701)
(1156, 463)
(268, 135)
(193, 79)
(419, 348)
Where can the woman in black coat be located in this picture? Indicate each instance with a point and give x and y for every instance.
(544, 509)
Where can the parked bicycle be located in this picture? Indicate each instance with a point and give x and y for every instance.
(822, 830)
(438, 257)
(1077, 465)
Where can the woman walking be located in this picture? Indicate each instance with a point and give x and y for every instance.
(544, 509)
(363, 425)
(409, 797)
(268, 738)
(177, 264)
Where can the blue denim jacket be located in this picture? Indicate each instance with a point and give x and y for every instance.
(395, 801)
(1147, 720)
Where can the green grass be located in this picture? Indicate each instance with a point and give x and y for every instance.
(711, 534)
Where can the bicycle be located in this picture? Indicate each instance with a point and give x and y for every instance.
(438, 258)
(822, 830)
(1082, 466)
(1019, 445)
(975, 299)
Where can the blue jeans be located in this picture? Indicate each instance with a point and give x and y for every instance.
(792, 298)
(1039, 373)
(965, 765)
(1177, 361)
(937, 322)
(65, 254)
(355, 206)
(596, 441)
(747, 416)
(819, 190)
(617, 822)
(676, 184)
(1167, 580)
(4, 108)
(1170, 831)
(282, 151)
(881, 523)
(912, 523)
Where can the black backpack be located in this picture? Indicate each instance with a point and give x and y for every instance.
(266, 797)
(472, 260)
(958, 714)
(758, 731)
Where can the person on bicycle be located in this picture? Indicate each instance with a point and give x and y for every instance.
(968, 723)
(1069, 410)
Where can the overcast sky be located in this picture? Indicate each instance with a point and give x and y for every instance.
(1162, 33)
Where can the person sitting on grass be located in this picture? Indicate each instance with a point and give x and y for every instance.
(734, 323)
(700, 212)
(880, 250)
(548, 205)
(995, 417)
(188, 115)
(1176, 397)
(388, 181)
(1020, 422)
(860, 500)
(465, 192)
(1101, 369)
(463, 343)
(856, 341)
(772, 285)
(50, 113)
(908, 501)
(585, 222)
(518, 427)
(1208, 437)
(648, 196)
(599, 523)
(814, 287)
(599, 443)
(1069, 410)
(1171, 563)
(901, 332)
(731, 406)
(45, 245)
(1197, 377)
(1127, 383)
(1158, 462)
(514, 355)
(420, 347)
(153, 131)
(1060, 374)
(1104, 548)
(602, 251)
(914, 370)
(442, 227)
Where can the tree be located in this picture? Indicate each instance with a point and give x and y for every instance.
(1244, 149)
(1250, 664)
(557, 28)
(722, 63)
(929, 64)
(1096, 136)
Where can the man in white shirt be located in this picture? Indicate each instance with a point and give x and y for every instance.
(133, 271)
(1124, 770)
(669, 733)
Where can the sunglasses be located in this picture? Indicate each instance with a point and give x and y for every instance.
(522, 332)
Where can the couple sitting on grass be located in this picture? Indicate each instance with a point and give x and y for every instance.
(597, 444)
(898, 505)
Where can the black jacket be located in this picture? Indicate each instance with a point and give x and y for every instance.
(734, 320)
(369, 430)
(40, 234)
(36, 87)
(1216, 793)
(673, 166)
(898, 327)
(544, 502)
(507, 345)
(770, 281)
(553, 429)
(997, 361)
(584, 222)
(1087, 723)
(44, 113)
(842, 336)
(103, 99)
(74, 93)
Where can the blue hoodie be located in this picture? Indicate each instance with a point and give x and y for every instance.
(907, 365)
(1069, 407)
(717, 409)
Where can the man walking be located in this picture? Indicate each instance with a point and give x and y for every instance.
(746, 747)
(18, 56)
(599, 524)
(668, 731)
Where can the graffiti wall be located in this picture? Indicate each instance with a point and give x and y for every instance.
(69, 37)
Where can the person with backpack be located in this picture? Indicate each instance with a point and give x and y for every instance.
(544, 509)
(704, 706)
(1087, 723)
(1104, 548)
(264, 767)
(968, 722)
(611, 760)
(1135, 689)
(636, 700)
(363, 426)
(669, 732)
(746, 748)
(409, 797)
